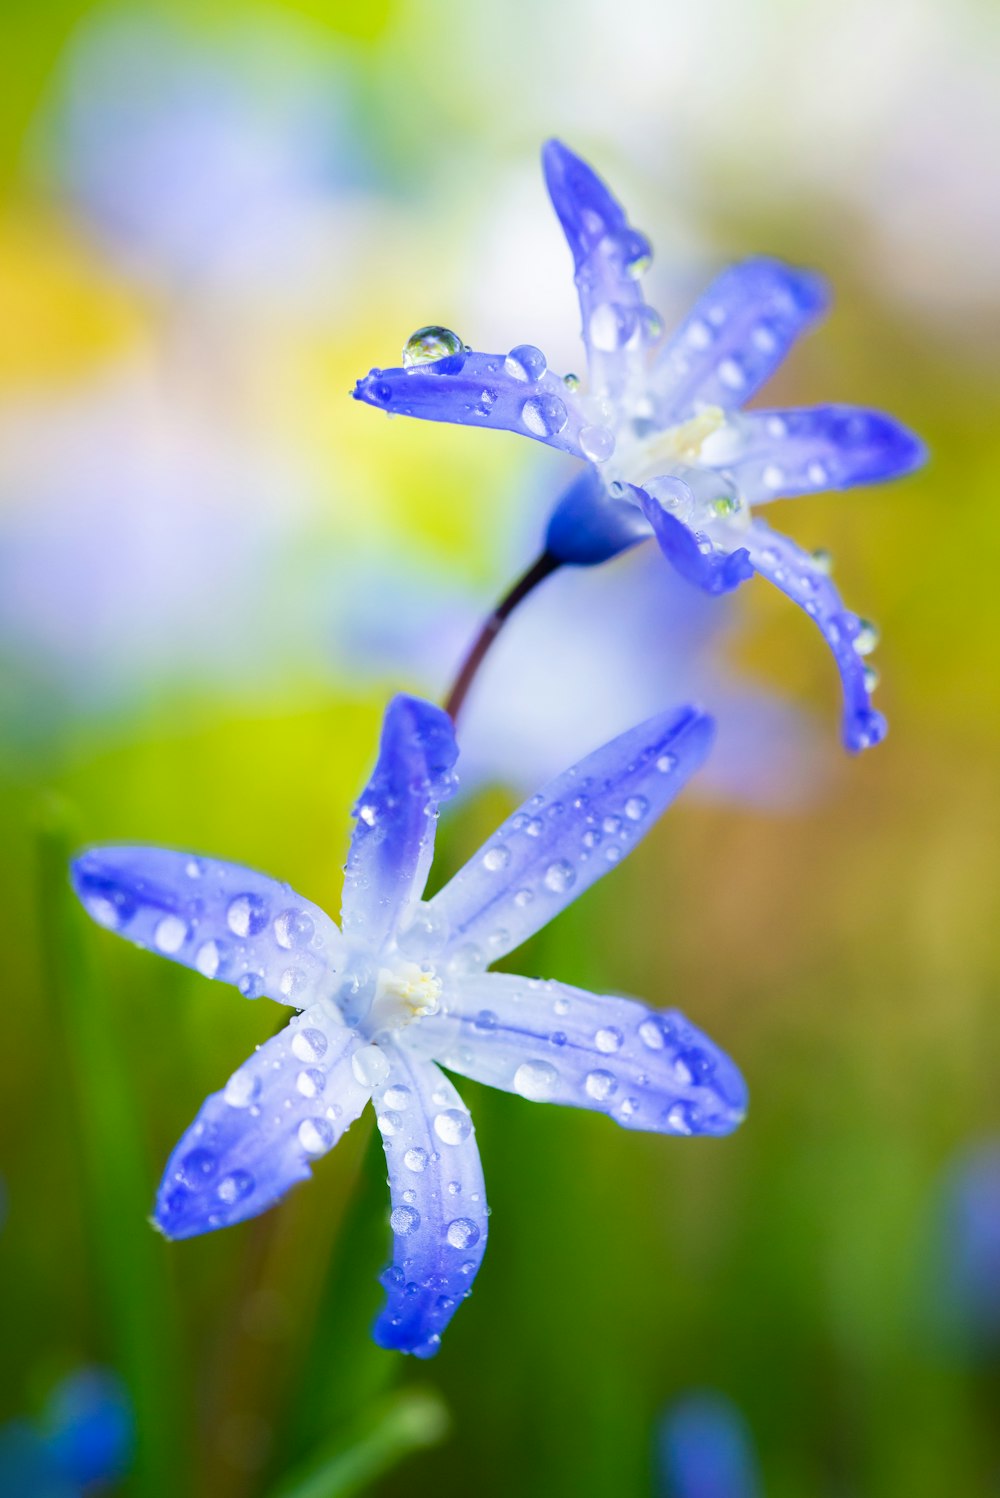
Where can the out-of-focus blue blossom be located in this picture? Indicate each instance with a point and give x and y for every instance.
(706, 1450)
(203, 162)
(967, 1297)
(670, 452)
(403, 986)
(83, 1443)
(567, 672)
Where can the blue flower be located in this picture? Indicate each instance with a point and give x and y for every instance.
(706, 1450)
(83, 1442)
(402, 987)
(670, 452)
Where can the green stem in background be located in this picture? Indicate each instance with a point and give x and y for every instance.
(537, 573)
(129, 1259)
(411, 1420)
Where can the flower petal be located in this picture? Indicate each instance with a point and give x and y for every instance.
(568, 835)
(775, 454)
(512, 393)
(590, 525)
(439, 1216)
(226, 921)
(710, 568)
(796, 573)
(287, 1105)
(736, 336)
(609, 256)
(393, 842)
(556, 1044)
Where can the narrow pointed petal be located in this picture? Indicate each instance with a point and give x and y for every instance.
(589, 525)
(797, 574)
(695, 557)
(438, 1218)
(551, 1043)
(226, 921)
(568, 835)
(512, 393)
(287, 1105)
(777, 454)
(609, 256)
(393, 842)
(736, 336)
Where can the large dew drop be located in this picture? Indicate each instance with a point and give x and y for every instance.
(428, 345)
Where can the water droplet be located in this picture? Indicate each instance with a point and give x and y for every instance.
(534, 826)
(823, 561)
(251, 985)
(292, 982)
(315, 1135)
(866, 638)
(732, 374)
(871, 678)
(207, 959)
(404, 1221)
(198, 1167)
(636, 808)
(652, 1033)
(698, 334)
(389, 1122)
(596, 443)
(599, 1085)
(485, 1020)
(609, 327)
(309, 1045)
(665, 763)
(525, 362)
(773, 477)
(452, 1126)
(608, 1040)
(234, 1187)
(247, 915)
(462, 1233)
(294, 928)
(678, 1120)
(544, 415)
(535, 1079)
(415, 1159)
(370, 1065)
(816, 473)
(611, 825)
(571, 381)
(559, 877)
(428, 345)
(523, 897)
(368, 814)
(612, 854)
(397, 1097)
(170, 934)
(496, 858)
(242, 1089)
(310, 1081)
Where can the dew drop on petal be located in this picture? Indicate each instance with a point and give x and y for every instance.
(596, 443)
(198, 1167)
(251, 985)
(535, 1080)
(429, 344)
(415, 1159)
(207, 959)
(665, 763)
(370, 1066)
(462, 1233)
(452, 1126)
(315, 1135)
(170, 934)
(496, 858)
(866, 638)
(636, 808)
(246, 915)
(544, 415)
(525, 362)
(235, 1187)
(651, 1034)
(397, 1097)
(293, 928)
(559, 877)
(608, 1040)
(310, 1082)
(599, 1085)
(404, 1221)
(308, 1045)
(242, 1089)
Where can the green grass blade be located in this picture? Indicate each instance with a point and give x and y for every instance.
(411, 1420)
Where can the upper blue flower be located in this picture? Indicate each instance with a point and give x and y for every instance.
(402, 985)
(83, 1442)
(670, 452)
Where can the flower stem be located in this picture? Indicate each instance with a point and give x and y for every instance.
(542, 568)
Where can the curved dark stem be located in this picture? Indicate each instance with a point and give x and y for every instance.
(537, 573)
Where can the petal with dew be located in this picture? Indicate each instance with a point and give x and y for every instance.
(393, 841)
(556, 1044)
(438, 1216)
(735, 337)
(696, 558)
(778, 454)
(222, 919)
(564, 838)
(609, 256)
(797, 574)
(287, 1105)
(512, 393)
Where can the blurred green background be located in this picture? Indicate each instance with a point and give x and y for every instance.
(212, 219)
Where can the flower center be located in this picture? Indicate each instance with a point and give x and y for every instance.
(403, 993)
(660, 451)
